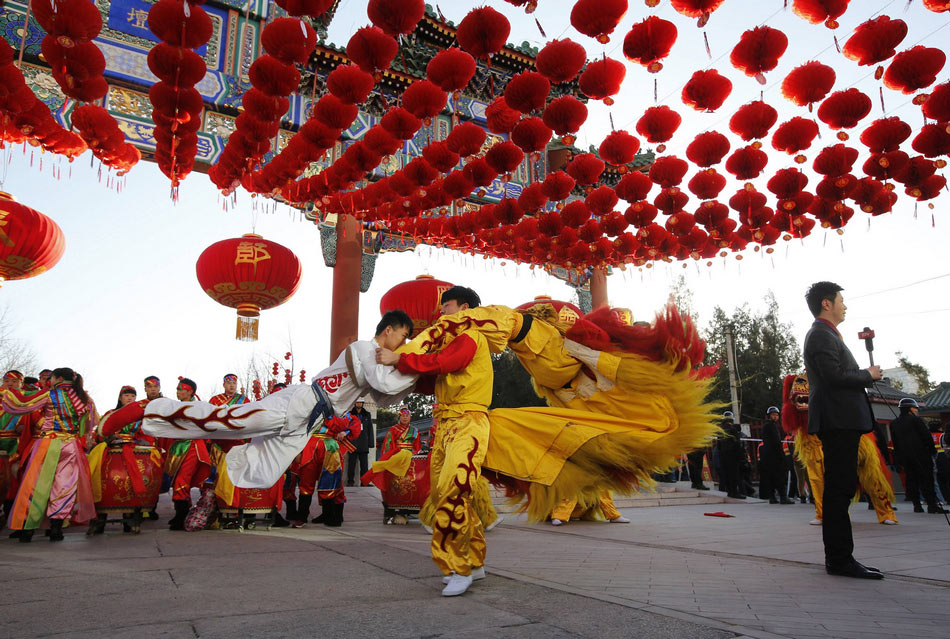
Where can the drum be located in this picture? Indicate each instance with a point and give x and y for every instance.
(118, 493)
(253, 500)
(407, 494)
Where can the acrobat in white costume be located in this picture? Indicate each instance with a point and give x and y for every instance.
(280, 424)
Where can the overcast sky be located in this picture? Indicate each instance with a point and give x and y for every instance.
(124, 302)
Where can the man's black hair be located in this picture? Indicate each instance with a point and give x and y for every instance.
(462, 295)
(397, 318)
(821, 291)
(30, 380)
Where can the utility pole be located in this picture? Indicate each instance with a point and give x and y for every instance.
(731, 363)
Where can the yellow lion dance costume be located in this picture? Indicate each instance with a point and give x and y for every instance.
(873, 476)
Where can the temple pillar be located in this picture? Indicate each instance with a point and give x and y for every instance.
(598, 288)
(345, 311)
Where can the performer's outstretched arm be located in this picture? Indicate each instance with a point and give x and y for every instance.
(454, 357)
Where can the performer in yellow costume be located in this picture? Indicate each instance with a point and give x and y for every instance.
(873, 476)
(625, 402)
(568, 510)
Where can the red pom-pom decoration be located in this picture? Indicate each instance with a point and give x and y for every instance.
(561, 60)
(483, 32)
(396, 17)
(706, 90)
(451, 69)
(371, 49)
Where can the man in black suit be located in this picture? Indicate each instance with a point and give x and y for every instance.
(364, 442)
(839, 412)
(773, 473)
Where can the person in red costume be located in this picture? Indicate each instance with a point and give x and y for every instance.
(187, 464)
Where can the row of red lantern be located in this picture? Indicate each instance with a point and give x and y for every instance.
(76, 63)
(180, 27)
(103, 136)
(25, 118)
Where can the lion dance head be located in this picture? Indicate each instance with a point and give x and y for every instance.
(795, 403)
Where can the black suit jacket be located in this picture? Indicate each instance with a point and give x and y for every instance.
(836, 396)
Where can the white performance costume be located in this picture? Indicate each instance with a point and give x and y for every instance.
(279, 425)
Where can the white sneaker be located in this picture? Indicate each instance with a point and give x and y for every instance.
(457, 585)
(497, 521)
(557, 522)
(889, 522)
(477, 575)
(815, 522)
(620, 520)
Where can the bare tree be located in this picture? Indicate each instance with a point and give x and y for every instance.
(15, 353)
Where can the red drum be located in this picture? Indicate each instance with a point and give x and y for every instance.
(407, 494)
(254, 500)
(118, 493)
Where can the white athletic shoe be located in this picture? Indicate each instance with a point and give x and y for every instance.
(620, 520)
(557, 522)
(477, 575)
(815, 522)
(457, 585)
(889, 522)
(497, 521)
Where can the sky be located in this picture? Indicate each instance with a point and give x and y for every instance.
(124, 302)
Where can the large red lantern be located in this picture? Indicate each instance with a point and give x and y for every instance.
(567, 313)
(250, 274)
(30, 242)
(420, 298)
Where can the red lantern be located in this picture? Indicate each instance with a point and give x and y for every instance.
(504, 157)
(619, 148)
(531, 134)
(707, 149)
(795, 135)
(30, 242)
(350, 84)
(451, 69)
(787, 182)
(914, 69)
(499, 117)
(172, 24)
(561, 60)
(885, 134)
(706, 184)
(598, 18)
(424, 99)
(844, 109)
(706, 90)
(420, 298)
(699, 9)
(650, 41)
(396, 17)
(932, 141)
(937, 105)
(371, 49)
(483, 32)
(835, 160)
(747, 163)
(69, 21)
(874, 41)
(466, 139)
(602, 79)
(633, 186)
(401, 124)
(585, 168)
(658, 124)
(565, 115)
(937, 6)
(758, 51)
(753, 120)
(527, 91)
(818, 11)
(290, 40)
(249, 274)
(668, 171)
(601, 200)
(808, 83)
(558, 185)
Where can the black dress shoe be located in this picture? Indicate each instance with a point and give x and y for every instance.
(701, 487)
(871, 568)
(853, 569)
(918, 508)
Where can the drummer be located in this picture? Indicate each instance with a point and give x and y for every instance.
(401, 436)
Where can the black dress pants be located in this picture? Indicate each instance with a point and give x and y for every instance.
(695, 464)
(840, 448)
(730, 471)
(351, 460)
(920, 480)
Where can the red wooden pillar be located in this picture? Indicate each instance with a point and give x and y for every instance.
(598, 288)
(345, 312)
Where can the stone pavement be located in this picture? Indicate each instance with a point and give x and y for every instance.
(672, 572)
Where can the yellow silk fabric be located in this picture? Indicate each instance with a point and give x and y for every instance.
(568, 509)
(398, 464)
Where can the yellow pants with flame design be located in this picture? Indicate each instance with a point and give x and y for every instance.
(458, 536)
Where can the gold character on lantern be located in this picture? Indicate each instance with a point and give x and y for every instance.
(251, 253)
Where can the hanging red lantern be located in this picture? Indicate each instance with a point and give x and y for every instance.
(558, 185)
(531, 134)
(312, 8)
(619, 148)
(787, 182)
(875, 41)
(440, 156)
(602, 79)
(504, 157)
(706, 184)
(650, 41)
(396, 17)
(175, 65)
(699, 9)
(601, 200)
(747, 162)
(706, 90)
(836, 188)
(932, 141)
(818, 11)
(598, 18)
(708, 149)
(527, 91)
(30, 242)
(483, 32)
(633, 186)
(658, 124)
(561, 60)
(640, 214)
(753, 120)
(885, 134)
(70, 22)
(668, 171)
(937, 105)
(914, 69)
(420, 298)
(466, 139)
(585, 168)
(372, 49)
(835, 160)
(937, 6)
(424, 99)
(401, 124)
(290, 40)
(808, 83)
(884, 166)
(250, 274)
(532, 198)
(565, 115)
(451, 69)
(574, 214)
(350, 84)
(758, 51)
(844, 109)
(180, 24)
(794, 136)
(499, 117)
(670, 199)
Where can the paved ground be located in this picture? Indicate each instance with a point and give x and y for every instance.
(672, 572)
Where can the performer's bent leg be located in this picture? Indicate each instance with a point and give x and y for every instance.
(564, 510)
(608, 508)
(457, 538)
